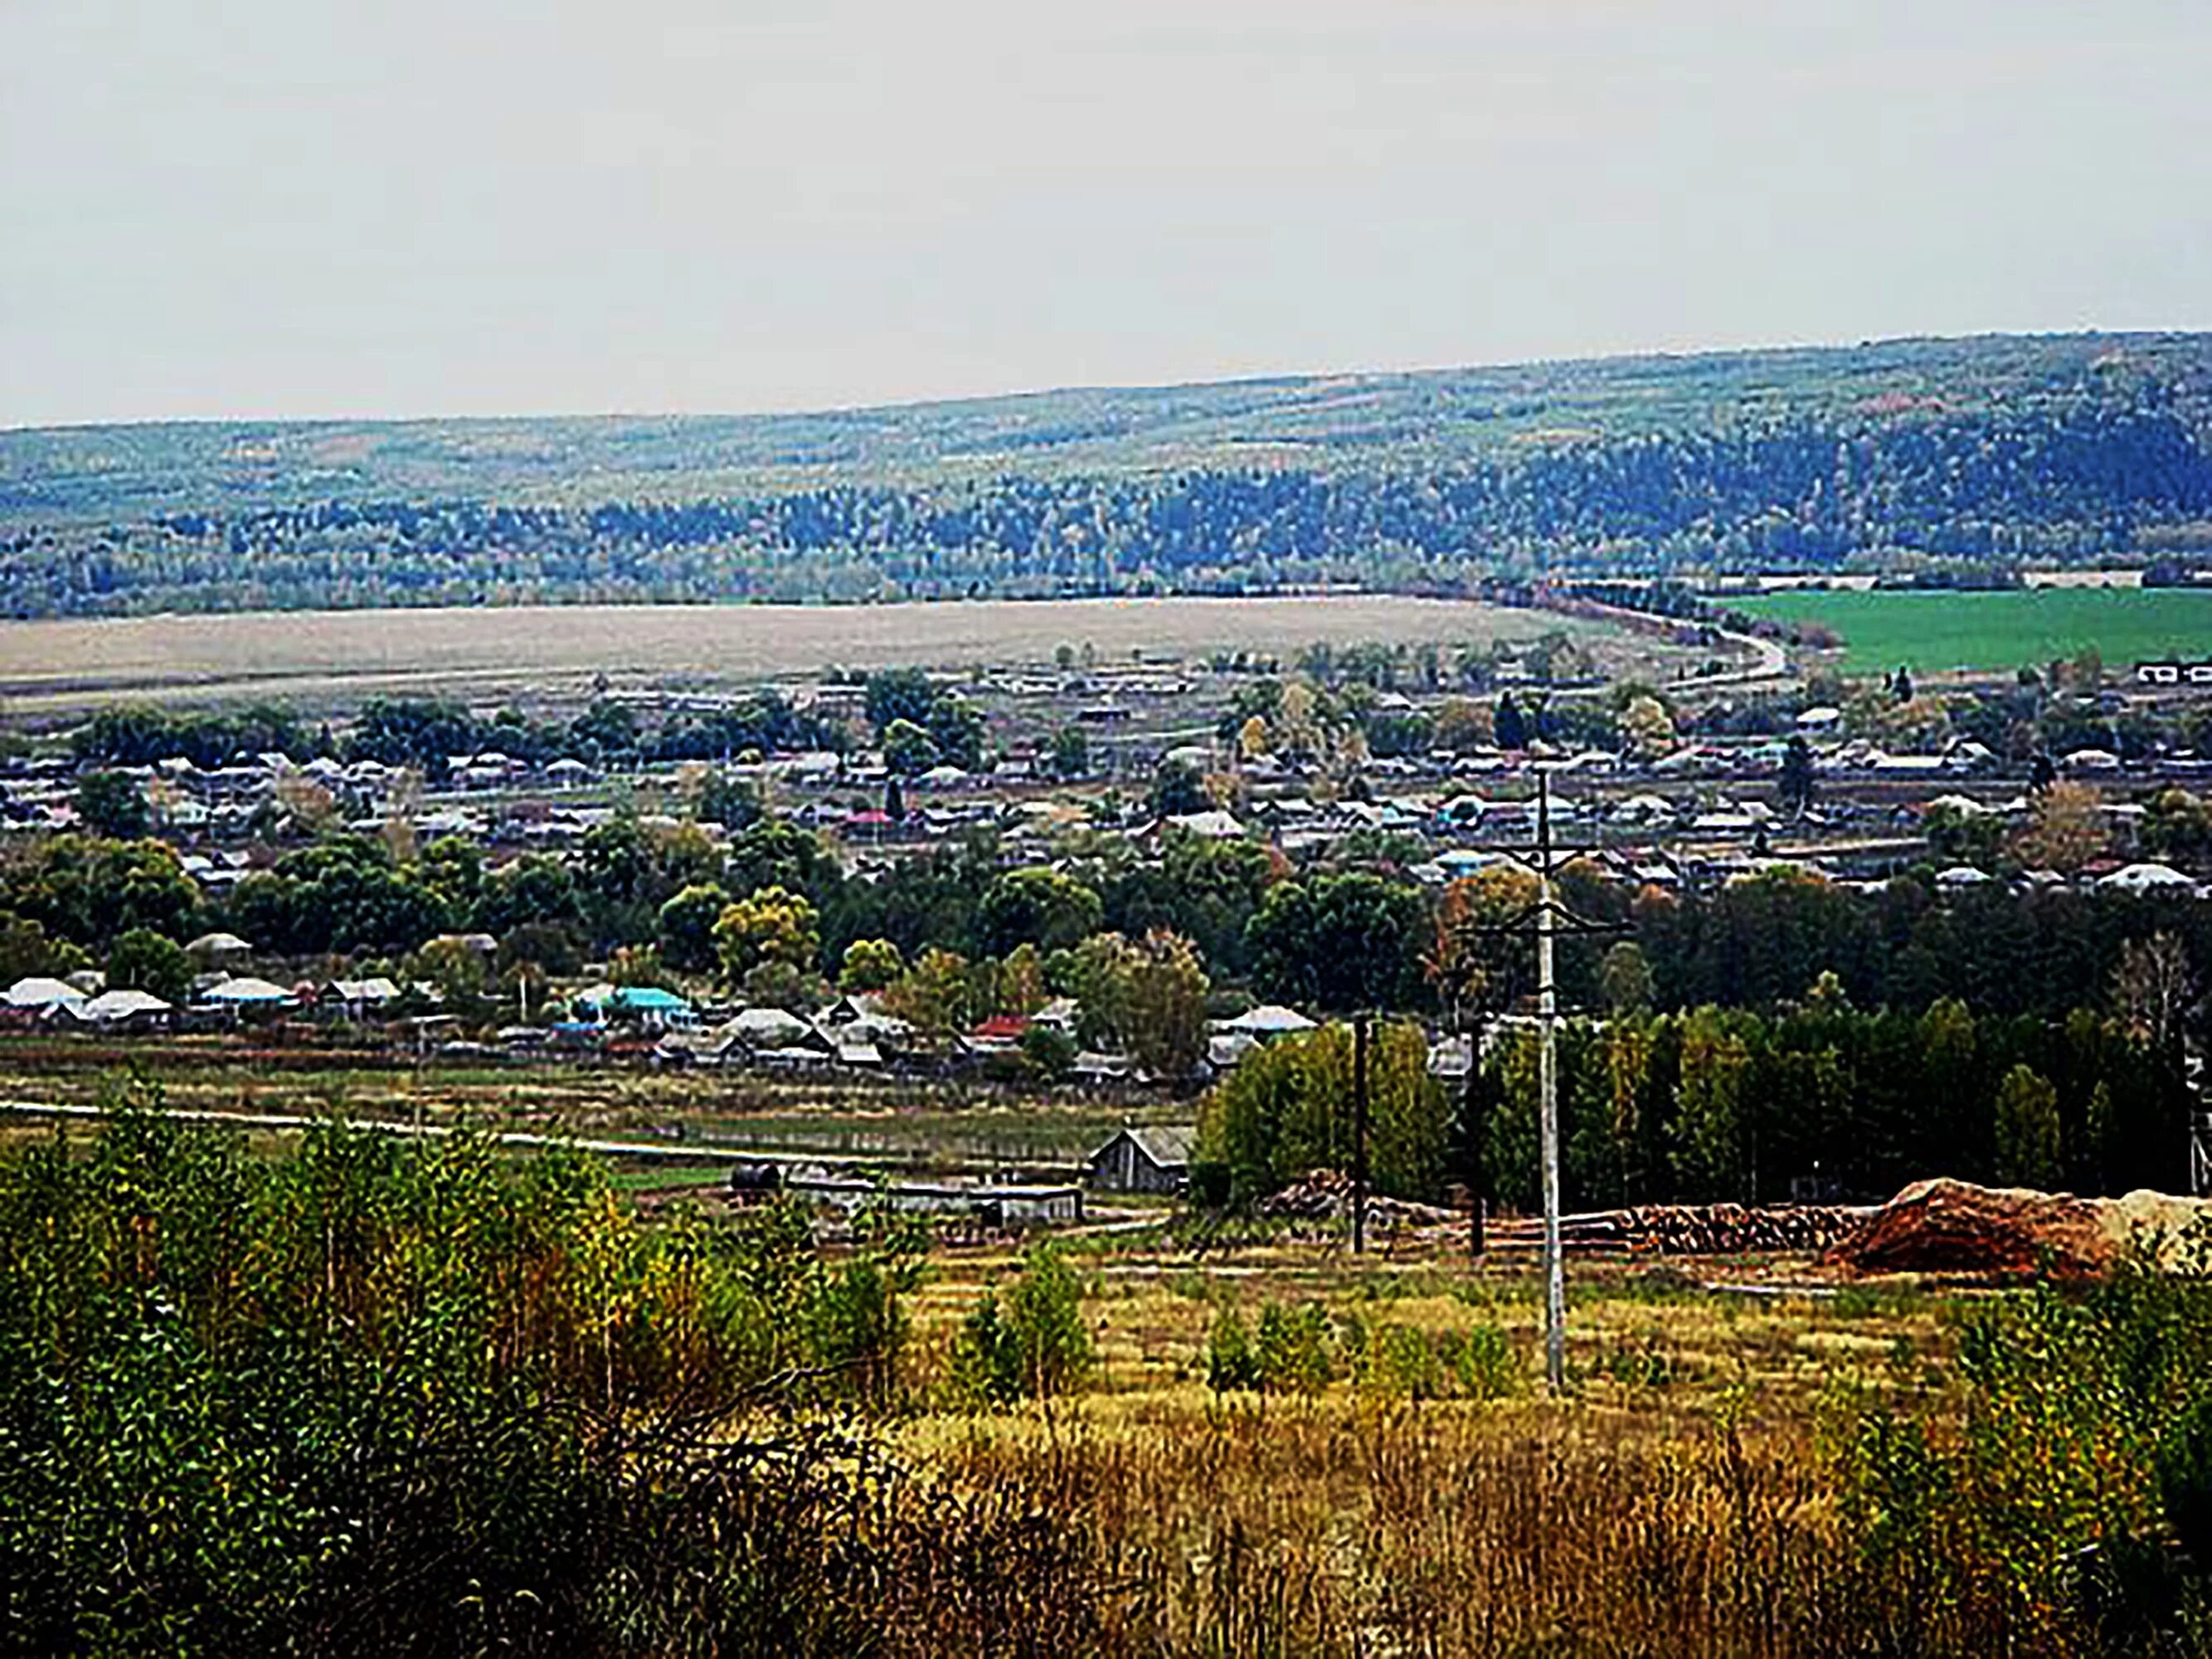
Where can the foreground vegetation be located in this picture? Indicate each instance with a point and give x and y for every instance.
(368, 1397)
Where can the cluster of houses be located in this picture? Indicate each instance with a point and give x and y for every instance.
(856, 1034)
(222, 998)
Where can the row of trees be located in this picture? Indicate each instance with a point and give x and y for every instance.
(1813, 1098)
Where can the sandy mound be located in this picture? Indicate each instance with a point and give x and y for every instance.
(2014, 1232)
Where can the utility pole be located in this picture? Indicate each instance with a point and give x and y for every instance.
(1474, 1126)
(1544, 920)
(1359, 1133)
(1548, 1086)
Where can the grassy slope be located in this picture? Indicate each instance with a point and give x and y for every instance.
(1933, 632)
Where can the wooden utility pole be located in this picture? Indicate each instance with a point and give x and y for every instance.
(1359, 1135)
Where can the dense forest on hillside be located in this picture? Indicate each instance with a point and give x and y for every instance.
(1899, 455)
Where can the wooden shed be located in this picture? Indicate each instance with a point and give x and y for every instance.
(1149, 1160)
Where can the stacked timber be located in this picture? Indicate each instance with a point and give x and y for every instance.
(1327, 1195)
(1686, 1230)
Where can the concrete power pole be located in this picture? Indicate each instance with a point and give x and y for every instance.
(1545, 920)
(1547, 1089)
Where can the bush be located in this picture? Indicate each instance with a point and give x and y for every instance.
(1293, 1349)
(1033, 1347)
(1486, 1364)
(1209, 1183)
(1231, 1362)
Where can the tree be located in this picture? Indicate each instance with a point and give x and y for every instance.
(606, 727)
(686, 926)
(25, 949)
(1178, 790)
(870, 964)
(909, 750)
(731, 802)
(638, 964)
(461, 973)
(1164, 1003)
(1346, 941)
(1037, 906)
(776, 853)
(1034, 1346)
(956, 729)
(453, 868)
(1146, 998)
(1071, 752)
(1475, 964)
(110, 803)
(769, 924)
(937, 994)
(2027, 1130)
(1462, 724)
(1286, 1109)
(1713, 1155)
(534, 890)
(1647, 726)
(1508, 723)
(2154, 990)
(898, 694)
(2177, 826)
(87, 890)
(143, 960)
(2065, 830)
(1799, 780)
(1624, 977)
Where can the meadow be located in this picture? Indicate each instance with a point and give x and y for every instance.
(1937, 632)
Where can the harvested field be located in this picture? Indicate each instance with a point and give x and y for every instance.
(54, 663)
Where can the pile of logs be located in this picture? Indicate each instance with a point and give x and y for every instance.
(1325, 1195)
(1685, 1230)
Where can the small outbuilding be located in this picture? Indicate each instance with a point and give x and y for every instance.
(1155, 1159)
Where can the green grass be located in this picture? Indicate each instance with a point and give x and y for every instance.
(1935, 632)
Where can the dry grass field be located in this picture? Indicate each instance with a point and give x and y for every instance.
(1678, 1501)
(304, 654)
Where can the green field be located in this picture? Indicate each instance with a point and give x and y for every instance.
(1934, 632)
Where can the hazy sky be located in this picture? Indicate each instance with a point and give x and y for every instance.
(398, 207)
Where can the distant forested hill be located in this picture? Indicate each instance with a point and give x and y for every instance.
(1962, 454)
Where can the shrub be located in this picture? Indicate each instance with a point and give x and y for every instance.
(1293, 1349)
(1231, 1361)
(1033, 1347)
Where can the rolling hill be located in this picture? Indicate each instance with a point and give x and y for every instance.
(1953, 454)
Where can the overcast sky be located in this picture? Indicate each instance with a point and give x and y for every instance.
(287, 208)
